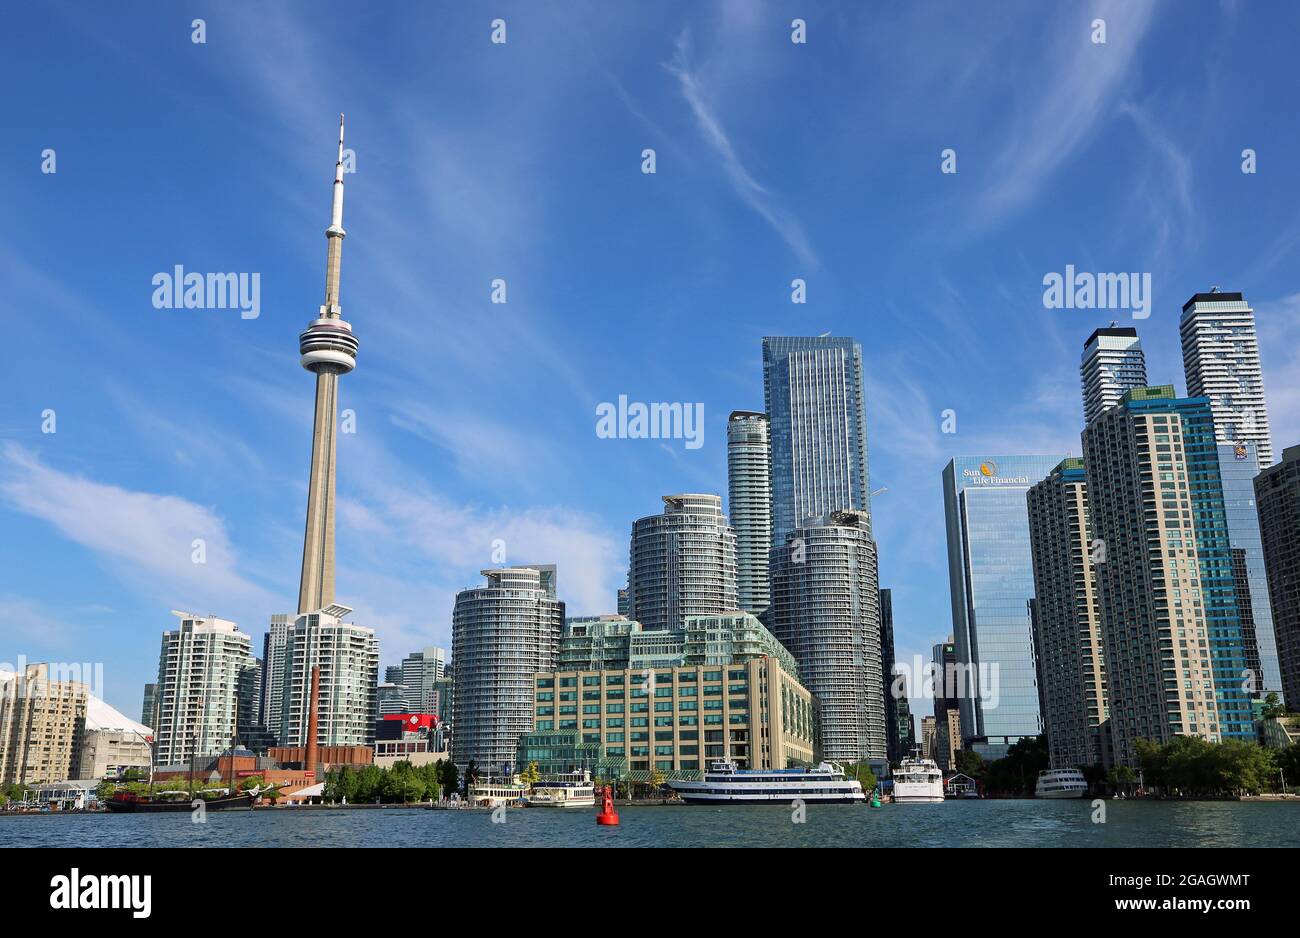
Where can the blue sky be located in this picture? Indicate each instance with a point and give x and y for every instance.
(522, 161)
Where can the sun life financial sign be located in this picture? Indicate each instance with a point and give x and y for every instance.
(987, 474)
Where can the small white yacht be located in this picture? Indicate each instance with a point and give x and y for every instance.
(724, 783)
(565, 790)
(918, 781)
(1060, 783)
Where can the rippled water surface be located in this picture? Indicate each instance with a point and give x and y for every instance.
(954, 823)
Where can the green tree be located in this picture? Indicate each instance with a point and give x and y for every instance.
(1273, 707)
(447, 776)
(1017, 773)
(969, 762)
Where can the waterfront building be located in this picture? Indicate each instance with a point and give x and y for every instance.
(502, 634)
(610, 643)
(675, 719)
(348, 657)
(275, 666)
(149, 707)
(409, 737)
(947, 740)
(749, 505)
(111, 744)
(1112, 363)
(826, 611)
(1238, 467)
(624, 603)
(557, 752)
(42, 718)
(682, 562)
(991, 579)
(906, 728)
(443, 705)
(893, 739)
(391, 699)
(949, 685)
(1221, 362)
(813, 395)
(929, 729)
(199, 679)
(1277, 492)
(1166, 596)
(1067, 623)
(421, 671)
(596, 643)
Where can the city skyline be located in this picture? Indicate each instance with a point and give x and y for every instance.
(146, 459)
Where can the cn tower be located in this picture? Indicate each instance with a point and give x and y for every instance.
(329, 349)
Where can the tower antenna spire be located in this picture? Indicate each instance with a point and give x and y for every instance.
(329, 350)
(335, 234)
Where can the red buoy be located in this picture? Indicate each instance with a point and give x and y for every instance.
(607, 816)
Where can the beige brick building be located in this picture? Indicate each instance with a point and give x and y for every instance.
(678, 719)
(41, 722)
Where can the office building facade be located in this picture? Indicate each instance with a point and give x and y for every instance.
(749, 505)
(421, 671)
(893, 740)
(1221, 362)
(502, 634)
(991, 580)
(1171, 630)
(682, 562)
(1277, 493)
(677, 719)
(1238, 467)
(826, 611)
(814, 398)
(1066, 618)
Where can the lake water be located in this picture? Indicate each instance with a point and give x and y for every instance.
(991, 823)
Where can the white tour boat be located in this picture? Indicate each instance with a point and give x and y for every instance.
(918, 781)
(724, 783)
(565, 790)
(1060, 783)
(489, 793)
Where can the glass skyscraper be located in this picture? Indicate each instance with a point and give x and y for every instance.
(991, 578)
(812, 392)
(1171, 625)
(1238, 466)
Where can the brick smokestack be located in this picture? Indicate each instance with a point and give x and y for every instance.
(311, 756)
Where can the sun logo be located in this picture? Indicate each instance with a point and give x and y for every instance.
(988, 469)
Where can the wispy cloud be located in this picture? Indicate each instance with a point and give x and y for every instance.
(146, 537)
(1061, 113)
(749, 189)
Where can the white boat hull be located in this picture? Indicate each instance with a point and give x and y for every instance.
(571, 803)
(1056, 795)
(707, 797)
